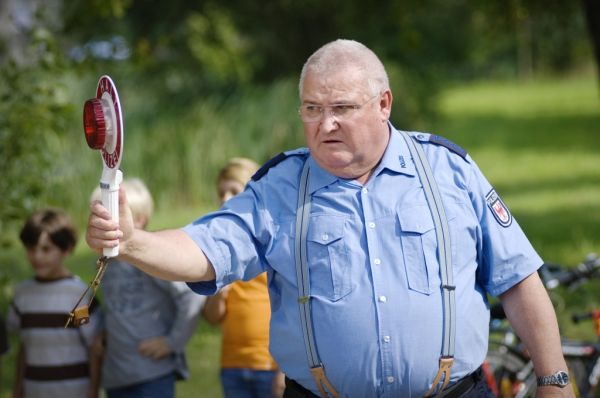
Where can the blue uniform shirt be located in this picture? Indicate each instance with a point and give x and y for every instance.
(374, 275)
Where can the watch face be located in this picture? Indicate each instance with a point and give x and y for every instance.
(562, 378)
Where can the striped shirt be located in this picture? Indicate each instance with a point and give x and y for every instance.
(56, 359)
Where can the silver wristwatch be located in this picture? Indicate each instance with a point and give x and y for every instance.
(560, 379)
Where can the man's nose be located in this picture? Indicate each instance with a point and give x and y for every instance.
(328, 120)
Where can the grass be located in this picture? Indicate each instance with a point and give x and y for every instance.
(537, 142)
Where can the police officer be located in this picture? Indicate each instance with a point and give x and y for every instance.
(387, 304)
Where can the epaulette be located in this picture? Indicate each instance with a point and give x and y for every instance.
(274, 161)
(438, 140)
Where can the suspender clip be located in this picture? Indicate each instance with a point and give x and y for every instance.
(444, 371)
(323, 384)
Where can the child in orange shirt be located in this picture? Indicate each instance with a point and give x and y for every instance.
(243, 310)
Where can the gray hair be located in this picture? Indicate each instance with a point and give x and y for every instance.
(343, 53)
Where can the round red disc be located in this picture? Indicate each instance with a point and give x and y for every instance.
(94, 124)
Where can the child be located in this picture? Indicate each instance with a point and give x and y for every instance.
(53, 361)
(243, 309)
(148, 320)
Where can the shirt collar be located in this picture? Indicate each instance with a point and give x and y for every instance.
(318, 177)
(395, 158)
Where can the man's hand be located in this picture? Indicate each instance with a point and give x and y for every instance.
(155, 348)
(102, 232)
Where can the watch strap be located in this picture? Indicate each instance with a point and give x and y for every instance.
(560, 379)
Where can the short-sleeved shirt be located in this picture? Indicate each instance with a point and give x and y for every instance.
(245, 327)
(138, 307)
(374, 275)
(56, 358)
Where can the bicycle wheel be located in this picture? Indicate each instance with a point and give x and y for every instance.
(512, 372)
(578, 374)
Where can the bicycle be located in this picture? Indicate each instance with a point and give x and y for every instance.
(583, 358)
(510, 371)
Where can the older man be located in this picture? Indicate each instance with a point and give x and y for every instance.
(380, 247)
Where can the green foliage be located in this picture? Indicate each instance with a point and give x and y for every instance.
(179, 151)
(34, 114)
(215, 43)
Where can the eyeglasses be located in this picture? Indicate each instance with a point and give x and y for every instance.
(311, 113)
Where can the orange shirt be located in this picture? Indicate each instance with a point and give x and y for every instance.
(245, 328)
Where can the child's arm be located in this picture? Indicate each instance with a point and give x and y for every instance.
(188, 306)
(215, 307)
(19, 373)
(278, 386)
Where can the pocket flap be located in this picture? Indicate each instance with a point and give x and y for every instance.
(325, 229)
(416, 219)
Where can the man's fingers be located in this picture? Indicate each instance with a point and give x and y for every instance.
(102, 232)
(98, 210)
(98, 244)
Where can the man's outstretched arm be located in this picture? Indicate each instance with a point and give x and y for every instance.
(169, 254)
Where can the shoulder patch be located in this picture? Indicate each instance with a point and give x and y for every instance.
(438, 140)
(498, 208)
(274, 161)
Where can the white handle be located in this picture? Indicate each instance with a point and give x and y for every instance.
(109, 186)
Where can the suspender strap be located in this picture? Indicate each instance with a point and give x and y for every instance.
(302, 218)
(434, 200)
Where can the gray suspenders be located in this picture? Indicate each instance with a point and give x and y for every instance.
(302, 218)
(444, 256)
(442, 233)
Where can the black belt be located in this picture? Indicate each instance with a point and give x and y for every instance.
(295, 390)
(456, 390)
(462, 386)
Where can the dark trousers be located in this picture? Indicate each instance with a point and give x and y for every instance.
(471, 386)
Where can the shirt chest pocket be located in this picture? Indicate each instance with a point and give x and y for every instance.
(328, 260)
(419, 248)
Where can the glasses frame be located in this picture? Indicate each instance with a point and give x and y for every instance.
(344, 110)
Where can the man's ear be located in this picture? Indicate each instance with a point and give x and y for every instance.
(385, 104)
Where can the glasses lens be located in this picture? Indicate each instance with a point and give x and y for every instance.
(310, 113)
(343, 110)
(313, 113)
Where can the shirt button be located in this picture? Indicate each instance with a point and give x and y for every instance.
(386, 339)
(365, 190)
(377, 261)
(383, 299)
(390, 379)
(371, 225)
(325, 236)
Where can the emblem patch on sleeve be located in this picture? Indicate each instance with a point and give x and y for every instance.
(498, 208)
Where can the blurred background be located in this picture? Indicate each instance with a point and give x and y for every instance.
(515, 82)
